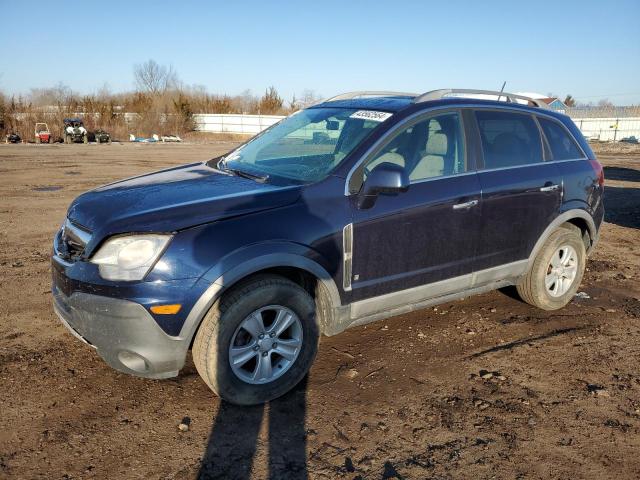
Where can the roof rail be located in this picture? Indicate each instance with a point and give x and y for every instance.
(370, 93)
(509, 97)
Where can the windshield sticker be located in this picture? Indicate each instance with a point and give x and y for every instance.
(371, 115)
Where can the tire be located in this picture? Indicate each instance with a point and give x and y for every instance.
(223, 324)
(541, 286)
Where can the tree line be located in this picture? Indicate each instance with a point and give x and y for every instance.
(160, 103)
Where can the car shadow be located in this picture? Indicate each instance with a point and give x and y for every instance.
(234, 439)
(622, 205)
(622, 174)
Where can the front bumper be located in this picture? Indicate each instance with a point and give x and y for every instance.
(124, 334)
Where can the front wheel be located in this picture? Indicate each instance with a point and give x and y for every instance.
(556, 272)
(258, 341)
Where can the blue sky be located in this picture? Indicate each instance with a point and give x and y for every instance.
(590, 49)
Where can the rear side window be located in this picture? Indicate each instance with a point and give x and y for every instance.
(508, 139)
(563, 147)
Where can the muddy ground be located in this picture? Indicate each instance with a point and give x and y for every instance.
(487, 387)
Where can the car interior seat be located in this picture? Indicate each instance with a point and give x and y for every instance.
(432, 163)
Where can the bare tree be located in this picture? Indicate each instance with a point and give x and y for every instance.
(154, 78)
(60, 95)
(605, 103)
(309, 97)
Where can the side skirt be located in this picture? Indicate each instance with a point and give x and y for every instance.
(416, 298)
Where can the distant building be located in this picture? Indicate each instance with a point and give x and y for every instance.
(555, 104)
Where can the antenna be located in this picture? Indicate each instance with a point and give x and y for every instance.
(502, 89)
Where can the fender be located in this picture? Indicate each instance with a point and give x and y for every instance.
(559, 220)
(250, 260)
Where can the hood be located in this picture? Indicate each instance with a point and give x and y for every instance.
(174, 199)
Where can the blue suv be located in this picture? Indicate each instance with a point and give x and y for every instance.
(365, 206)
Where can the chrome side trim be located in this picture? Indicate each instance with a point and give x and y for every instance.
(347, 256)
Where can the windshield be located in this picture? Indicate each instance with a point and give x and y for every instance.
(306, 146)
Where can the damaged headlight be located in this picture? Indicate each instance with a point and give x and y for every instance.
(129, 257)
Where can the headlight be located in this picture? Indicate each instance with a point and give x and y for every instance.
(129, 257)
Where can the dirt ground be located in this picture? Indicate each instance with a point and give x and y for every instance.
(487, 387)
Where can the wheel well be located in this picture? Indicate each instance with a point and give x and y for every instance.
(301, 277)
(582, 224)
(311, 284)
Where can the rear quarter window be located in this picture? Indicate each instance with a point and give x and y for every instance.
(562, 145)
(508, 139)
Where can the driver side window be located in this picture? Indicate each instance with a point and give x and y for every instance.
(431, 148)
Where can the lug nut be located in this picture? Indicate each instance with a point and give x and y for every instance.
(261, 336)
(256, 348)
(274, 345)
(264, 354)
(272, 334)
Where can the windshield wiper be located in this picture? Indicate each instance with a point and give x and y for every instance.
(242, 173)
(250, 176)
(224, 167)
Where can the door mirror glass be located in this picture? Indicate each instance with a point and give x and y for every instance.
(385, 179)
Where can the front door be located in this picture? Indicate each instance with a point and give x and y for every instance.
(428, 233)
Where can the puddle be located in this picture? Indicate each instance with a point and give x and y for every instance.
(48, 188)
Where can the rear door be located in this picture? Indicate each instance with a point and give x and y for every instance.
(521, 191)
(428, 233)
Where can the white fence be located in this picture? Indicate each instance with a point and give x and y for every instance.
(225, 123)
(609, 129)
(603, 129)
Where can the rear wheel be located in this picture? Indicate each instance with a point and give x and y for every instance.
(258, 341)
(557, 270)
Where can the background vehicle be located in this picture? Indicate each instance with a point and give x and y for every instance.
(403, 201)
(42, 133)
(74, 131)
(102, 137)
(13, 138)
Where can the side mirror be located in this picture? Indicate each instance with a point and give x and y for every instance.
(385, 179)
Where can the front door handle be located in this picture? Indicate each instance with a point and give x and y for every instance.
(459, 206)
(549, 188)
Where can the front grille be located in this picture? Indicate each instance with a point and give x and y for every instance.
(71, 241)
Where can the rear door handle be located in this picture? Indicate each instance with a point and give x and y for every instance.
(549, 188)
(470, 204)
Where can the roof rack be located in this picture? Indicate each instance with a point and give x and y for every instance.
(370, 93)
(509, 97)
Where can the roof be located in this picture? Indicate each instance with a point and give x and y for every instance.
(387, 104)
(396, 101)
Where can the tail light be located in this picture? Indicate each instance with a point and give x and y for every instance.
(599, 171)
